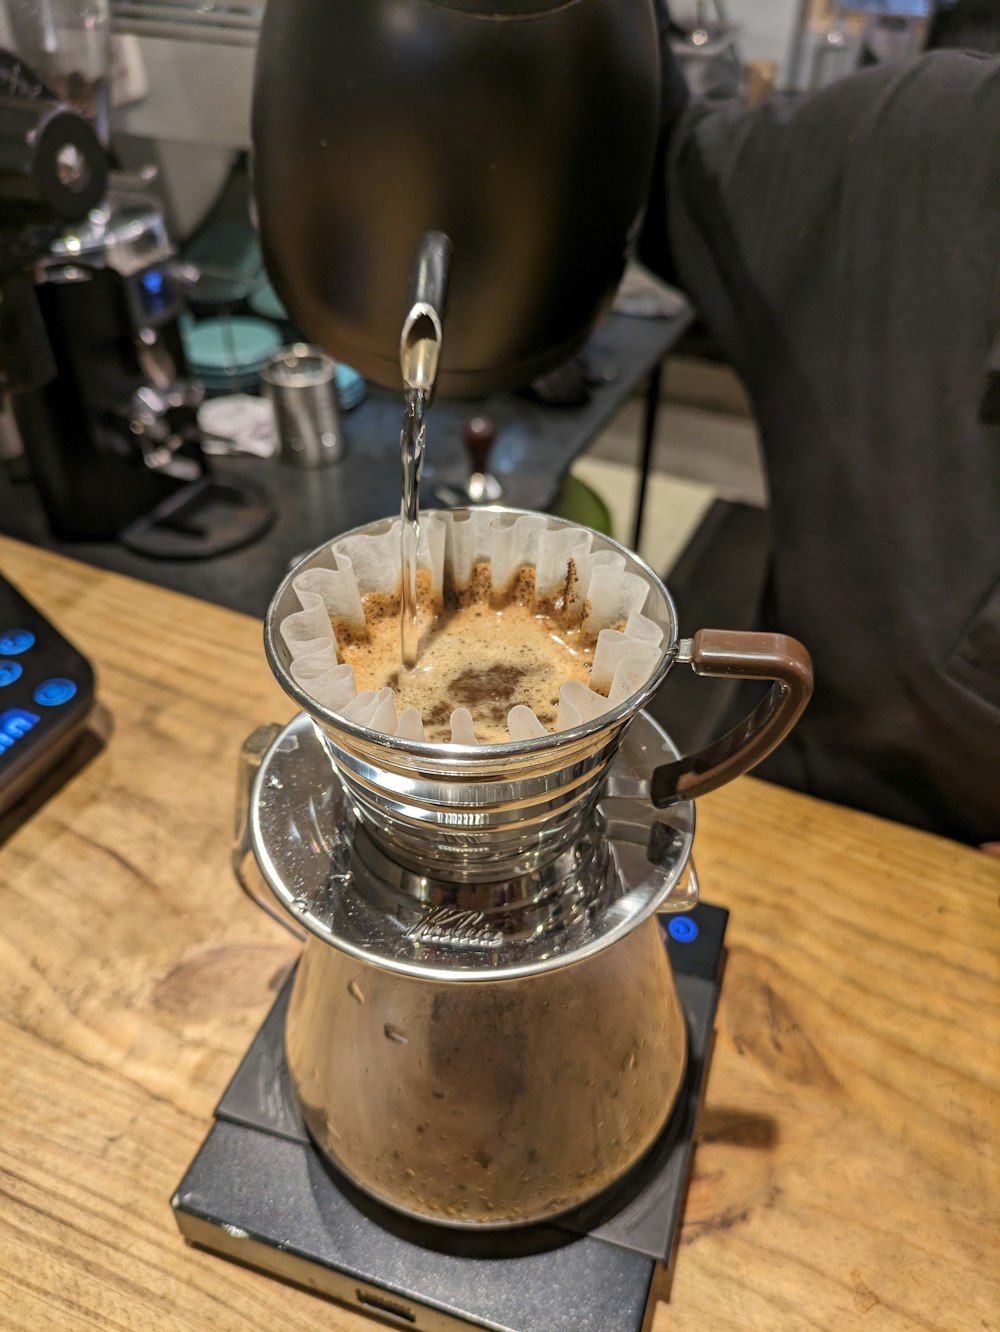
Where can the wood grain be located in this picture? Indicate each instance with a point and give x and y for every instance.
(847, 1169)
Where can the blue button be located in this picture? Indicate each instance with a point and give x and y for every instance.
(9, 672)
(50, 693)
(15, 724)
(683, 929)
(15, 641)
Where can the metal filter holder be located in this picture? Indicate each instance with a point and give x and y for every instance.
(333, 882)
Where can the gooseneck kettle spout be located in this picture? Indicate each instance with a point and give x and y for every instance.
(423, 328)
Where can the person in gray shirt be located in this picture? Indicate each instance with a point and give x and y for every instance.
(843, 248)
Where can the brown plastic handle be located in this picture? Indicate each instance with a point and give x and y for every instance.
(748, 656)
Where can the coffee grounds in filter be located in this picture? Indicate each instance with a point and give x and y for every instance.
(480, 651)
(545, 575)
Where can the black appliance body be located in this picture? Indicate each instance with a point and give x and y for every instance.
(114, 433)
(91, 356)
(523, 130)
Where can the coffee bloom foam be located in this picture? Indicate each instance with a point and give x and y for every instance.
(601, 594)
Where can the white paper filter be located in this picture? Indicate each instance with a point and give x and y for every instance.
(352, 567)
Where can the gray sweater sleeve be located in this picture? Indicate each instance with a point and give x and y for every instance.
(844, 251)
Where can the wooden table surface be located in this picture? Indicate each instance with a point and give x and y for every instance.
(846, 1174)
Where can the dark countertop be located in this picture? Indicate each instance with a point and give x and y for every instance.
(534, 447)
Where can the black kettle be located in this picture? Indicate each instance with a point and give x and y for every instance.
(523, 130)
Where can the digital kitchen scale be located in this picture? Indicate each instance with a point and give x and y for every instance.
(46, 695)
(260, 1193)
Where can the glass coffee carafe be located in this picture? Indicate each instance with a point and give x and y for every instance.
(484, 1029)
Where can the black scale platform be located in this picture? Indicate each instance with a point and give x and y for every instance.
(259, 1192)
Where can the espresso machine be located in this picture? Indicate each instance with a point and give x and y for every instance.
(101, 394)
(473, 1103)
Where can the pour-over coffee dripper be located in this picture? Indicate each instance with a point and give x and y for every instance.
(484, 1029)
(489, 812)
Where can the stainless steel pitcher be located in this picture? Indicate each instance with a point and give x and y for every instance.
(484, 1055)
(484, 1029)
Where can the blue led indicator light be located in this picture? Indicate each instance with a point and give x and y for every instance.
(9, 672)
(15, 641)
(153, 281)
(50, 693)
(683, 929)
(15, 723)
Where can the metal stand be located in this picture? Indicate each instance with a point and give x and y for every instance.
(650, 416)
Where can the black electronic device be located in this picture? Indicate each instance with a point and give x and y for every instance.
(112, 437)
(260, 1193)
(90, 345)
(46, 695)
